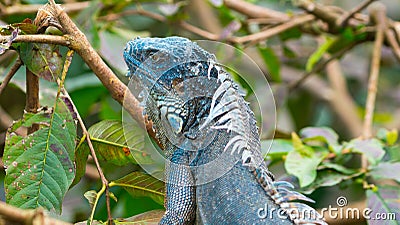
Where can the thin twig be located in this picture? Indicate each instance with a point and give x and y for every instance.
(84, 131)
(345, 17)
(254, 11)
(378, 14)
(257, 37)
(391, 39)
(40, 38)
(292, 86)
(18, 9)
(118, 90)
(11, 73)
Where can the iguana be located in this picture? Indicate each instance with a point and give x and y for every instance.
(215, 173)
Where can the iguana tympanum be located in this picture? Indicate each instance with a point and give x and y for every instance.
(215, 172)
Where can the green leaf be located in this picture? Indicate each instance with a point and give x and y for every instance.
(391, 136)
(277, 149)
(44, 60)
(388, 136)
(337, 167)
(91, 196)
(109, 141)
(385, 201)
(394, 152)
(81, 155)
(40, 166)
(141, 184)
(386, 170)
(371, 148)
(293, 33)
(288, 52)
(303, 162)
(323, 134)
(272, 62)
(327, 178)
(317, 55)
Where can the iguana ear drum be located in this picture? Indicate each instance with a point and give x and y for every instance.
(175, 121)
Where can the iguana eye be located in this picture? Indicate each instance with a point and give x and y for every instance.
(151, 54)
(155, 57)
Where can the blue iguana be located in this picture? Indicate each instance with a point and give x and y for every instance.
(215, 173)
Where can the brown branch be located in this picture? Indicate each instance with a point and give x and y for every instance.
(378, 14)
(319, 67)
(348, 15)
(199, 31)
(10, 74)
(254, 11)
(341, 101)
(329, 16)
(32, 97)
(119, 91)
(27, 9)
(257, 37)
(391, 39)
(41, 38)
(158, 17)
(15, 215)
(203, 12)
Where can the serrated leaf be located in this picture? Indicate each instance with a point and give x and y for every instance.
(386, 170)
(40, 166)
(109, 141)
(141, 184)
(317, 55)
(385, 202)
(323, 134)
(91, 197)
(371, 148)
(43, 60)
(304, 166)
(273, 63)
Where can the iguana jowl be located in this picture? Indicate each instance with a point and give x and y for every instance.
(216, 173)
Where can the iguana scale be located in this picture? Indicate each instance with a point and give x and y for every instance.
(215, 172)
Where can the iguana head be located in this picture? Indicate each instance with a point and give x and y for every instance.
(161, 66)
(165, 61)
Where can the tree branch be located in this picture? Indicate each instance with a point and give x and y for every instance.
(30, 216)
(378, 14)
(18, 9)
(348, 15)
(10, 74)
(254, 11)
(119, 91)
(257, 37)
